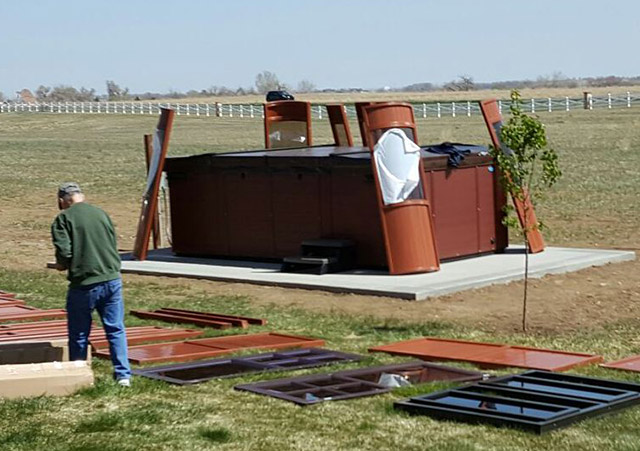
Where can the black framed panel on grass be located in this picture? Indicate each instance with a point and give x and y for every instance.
(538, 401)
(197, 372)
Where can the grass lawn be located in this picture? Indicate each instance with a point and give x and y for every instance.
(597, 203)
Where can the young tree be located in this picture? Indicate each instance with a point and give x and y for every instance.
(527, 168)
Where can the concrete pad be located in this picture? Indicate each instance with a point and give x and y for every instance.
(453, 276)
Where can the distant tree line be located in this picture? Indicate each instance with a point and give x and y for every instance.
(555, 80)
(267, 81)
(264, 82)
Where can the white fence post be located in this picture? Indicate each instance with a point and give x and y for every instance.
(453, 109)
(251, 111)
(566, 101)
(424, 110)
(319, 111)
(500, 106)
(549, 104)
(628, 99)
(439, 111)
(609, 100)
(533, 105)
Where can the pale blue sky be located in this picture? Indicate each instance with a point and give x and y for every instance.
(194, 44)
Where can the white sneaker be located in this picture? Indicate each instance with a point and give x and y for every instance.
(124, 382)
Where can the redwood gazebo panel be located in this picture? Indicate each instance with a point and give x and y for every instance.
(210, 347)
(628, 364)
(489, 355)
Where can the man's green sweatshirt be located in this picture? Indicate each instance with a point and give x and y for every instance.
(85, 243)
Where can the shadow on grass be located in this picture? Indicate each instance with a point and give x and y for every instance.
(215, 434)
(118, 420)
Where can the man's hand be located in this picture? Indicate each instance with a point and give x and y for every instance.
(60, 267)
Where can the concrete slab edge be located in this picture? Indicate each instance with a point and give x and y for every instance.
(303, 286)
(561, 268)
(570, 265)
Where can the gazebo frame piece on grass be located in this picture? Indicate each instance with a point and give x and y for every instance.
(489, 355)
(306, 390)
(184, 351)
(537, 401)
(204, 319)
(197, 372)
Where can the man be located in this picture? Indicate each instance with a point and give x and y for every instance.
(85, 244)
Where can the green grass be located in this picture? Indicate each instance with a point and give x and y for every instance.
(596, 203)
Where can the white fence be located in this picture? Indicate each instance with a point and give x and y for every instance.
(424, 110)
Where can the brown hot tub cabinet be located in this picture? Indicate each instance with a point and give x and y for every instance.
(263, 204)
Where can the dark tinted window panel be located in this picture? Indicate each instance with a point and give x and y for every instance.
(305, 390)
(489, 355)
(193, 373)
(537, 401)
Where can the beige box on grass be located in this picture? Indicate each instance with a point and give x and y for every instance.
(50, 378)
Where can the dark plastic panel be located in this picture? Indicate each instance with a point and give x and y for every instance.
(305, 390)
(197, 372)
(537, 401)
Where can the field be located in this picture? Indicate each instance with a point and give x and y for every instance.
(596, 204)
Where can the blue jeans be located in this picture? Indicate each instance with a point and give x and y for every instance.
(106, 298)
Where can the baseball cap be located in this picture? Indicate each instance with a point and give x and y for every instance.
(68, 188)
